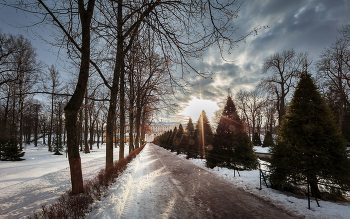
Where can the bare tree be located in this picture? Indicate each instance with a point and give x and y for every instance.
(182, 30)
(25, 66)
(85, 12)
(332, 68)
(251, 104)
(52, 84)
(283, 68)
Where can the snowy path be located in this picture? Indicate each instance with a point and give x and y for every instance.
(159, 184)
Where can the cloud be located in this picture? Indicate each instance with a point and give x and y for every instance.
(302, 25)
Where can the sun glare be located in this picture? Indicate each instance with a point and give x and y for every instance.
(195, 107)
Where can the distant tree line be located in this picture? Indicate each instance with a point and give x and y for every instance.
(229, 147)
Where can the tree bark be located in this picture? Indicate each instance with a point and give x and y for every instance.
(98, 135)
(75, 102)
(86, 127)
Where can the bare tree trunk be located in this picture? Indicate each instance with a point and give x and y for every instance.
(131, 111)
(44, 132)
(91, 133)
(143, 125)
(51, 121)
(122, 113)
(138, 115)
(21, 116)
(64, 135)
(114, 90)
(36, 125)
(86, 131)
(102, 132)
(98, 136)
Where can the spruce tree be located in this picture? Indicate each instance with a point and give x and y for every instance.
(203, 134)
(256, 139)
(9, 150)
(57, 142)
(168, 140)
(231, 145)
(190, 127)
(178, 139)
(172, 139)
(268, 141)
(310, 144)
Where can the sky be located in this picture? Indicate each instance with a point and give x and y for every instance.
(306, 26)
(303, 25)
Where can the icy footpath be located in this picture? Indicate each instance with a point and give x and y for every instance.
(131, 192)
(249, 181)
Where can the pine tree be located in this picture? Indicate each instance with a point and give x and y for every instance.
(231, 144)
(309, 143)
(9, 150)
(256, 139)
(268, 141)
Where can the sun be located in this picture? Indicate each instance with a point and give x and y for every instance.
(195, 107)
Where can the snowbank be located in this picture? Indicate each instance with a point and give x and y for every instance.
(42, 177)
(250, 182)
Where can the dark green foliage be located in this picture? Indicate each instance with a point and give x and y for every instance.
(309, 143)
(179, 132)
(172, 138)
(256, 139)
(9, 150)
(57, 144)
(203, 134)
(178, 139)
(231, 146)
(346, 125)
(268, 141)
(190, 127)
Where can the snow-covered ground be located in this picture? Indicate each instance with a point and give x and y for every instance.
(250, 182)
(42, 177)
(263, 150)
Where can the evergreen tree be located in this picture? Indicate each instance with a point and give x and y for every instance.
(203, 134)
(268, 141)
(190, 127)
(178, 139)
(256, 139)
(9, 150)
(189, 141)
(180, 132)
(57, 142)
(172, 138)
(309, 143)
(168, 139)
(231, 145)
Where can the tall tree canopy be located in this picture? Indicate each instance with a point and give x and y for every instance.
(309, 142)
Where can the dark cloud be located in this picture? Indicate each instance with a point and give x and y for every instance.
(302, 25)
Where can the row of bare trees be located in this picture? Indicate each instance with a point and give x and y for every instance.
(132, 49)
(264, 107)
(27, 118)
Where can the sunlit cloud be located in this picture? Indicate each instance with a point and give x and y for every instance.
(195, 107)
